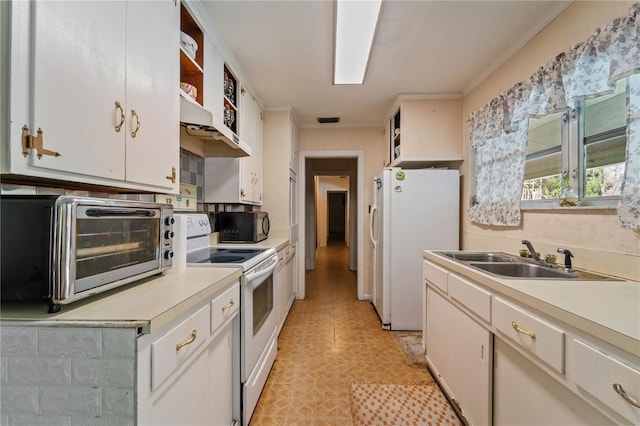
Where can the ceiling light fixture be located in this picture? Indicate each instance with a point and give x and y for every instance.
(355, 23)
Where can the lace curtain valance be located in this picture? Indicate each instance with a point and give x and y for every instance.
(498, 131)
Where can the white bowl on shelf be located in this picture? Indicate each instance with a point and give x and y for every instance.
(188, 44)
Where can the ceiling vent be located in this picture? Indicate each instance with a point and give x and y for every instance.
(324, 120)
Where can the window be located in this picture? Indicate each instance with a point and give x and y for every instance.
(584, 148)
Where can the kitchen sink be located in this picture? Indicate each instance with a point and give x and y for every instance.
(466, 256)
(522, 270)
(505, 265)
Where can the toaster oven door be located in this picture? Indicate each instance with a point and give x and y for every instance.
(111, 244)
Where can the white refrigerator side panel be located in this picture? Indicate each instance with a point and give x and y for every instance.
(380, 301)
(423, 215)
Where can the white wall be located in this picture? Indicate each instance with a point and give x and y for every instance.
(594, 236)
(324, 185)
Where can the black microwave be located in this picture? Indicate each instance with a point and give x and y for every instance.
(242, 227)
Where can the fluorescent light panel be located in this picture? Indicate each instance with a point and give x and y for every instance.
(355, 25)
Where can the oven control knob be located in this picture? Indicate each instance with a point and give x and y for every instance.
(168, 235)
(168, 254)
(169, 220)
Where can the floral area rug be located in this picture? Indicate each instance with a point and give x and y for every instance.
(400, 405)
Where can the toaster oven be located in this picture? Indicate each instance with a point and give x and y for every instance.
(63, 248)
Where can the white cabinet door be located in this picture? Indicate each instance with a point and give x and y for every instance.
(245, 124)
(76, 76)
(186, 401)
(285, 282)
(245, 121)
(257, 152)
(293, 146)
(281, 283)
(152, 92)
(221, 386)
(459, 349)
(78, 71)
(526, 395)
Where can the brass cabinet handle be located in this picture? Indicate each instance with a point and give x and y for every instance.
(135, 114)
(119, 125)
(228, 305)
(188, 342)
(618, 388)
(519, 330)
(172, 178)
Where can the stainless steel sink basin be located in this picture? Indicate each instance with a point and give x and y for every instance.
(505, 265)
(522, 270)
(466, 256)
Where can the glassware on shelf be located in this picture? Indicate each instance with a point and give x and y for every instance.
(230, 88)
(230, 117)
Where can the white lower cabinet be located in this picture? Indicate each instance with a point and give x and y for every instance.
(285, 274)
(614, 384)
(459, 352)
(537, 336)
(188, 372)
(503, 362)
(524, 394)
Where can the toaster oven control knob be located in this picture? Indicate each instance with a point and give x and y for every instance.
(168, 254)
(168, 235)
(169, 220)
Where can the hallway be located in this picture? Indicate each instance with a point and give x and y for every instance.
(329, 341)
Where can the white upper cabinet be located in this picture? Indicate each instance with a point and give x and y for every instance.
(83, 74)
(238, 180)
(424, 131)
(280, 153)
(152, 75)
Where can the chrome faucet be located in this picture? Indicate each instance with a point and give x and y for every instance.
(532, 251)
(567, 258)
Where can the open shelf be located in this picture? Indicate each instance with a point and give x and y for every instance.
(192, 69)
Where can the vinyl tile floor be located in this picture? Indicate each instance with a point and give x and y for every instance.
(329, 341)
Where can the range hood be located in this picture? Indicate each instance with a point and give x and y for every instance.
(219, 140)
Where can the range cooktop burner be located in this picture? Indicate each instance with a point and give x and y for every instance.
(225, 259)
(221, 256)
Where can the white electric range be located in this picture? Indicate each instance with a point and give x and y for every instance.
(258, 322)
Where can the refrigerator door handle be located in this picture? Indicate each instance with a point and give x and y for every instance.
(371, 218)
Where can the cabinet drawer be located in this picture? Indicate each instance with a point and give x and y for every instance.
(225, 306)
(435, 275)
(471, 296)
(172, 349)
(597, 372)
(539, 337)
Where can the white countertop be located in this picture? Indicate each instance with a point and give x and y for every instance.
(149, 303)
(608, 310)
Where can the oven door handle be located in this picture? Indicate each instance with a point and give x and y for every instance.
(253, 279)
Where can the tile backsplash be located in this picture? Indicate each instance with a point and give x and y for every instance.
(192, 171)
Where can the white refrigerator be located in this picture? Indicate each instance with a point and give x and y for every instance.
(413, 210)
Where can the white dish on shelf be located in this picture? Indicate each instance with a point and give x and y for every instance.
(188, 44)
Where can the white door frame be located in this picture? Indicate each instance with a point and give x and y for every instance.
(302, 176)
